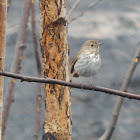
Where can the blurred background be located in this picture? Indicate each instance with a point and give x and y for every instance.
(117, 25)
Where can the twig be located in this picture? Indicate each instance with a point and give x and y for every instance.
(38, 64)
(68, 3)
(73, 8)
(16, 63)
(89, 7)
(3, 16)
(8, 4)
(73, 85)
(112, 124)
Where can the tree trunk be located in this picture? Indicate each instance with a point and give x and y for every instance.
(3, 7)
(57, 124)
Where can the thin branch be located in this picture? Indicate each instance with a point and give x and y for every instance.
(112, 124)
(89, 7)
(68, 3)
(8, 4)
(16, 63)
(73, 8)
(39, 72)
(3, 16)
(73, 85)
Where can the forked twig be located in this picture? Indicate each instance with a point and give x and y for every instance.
(81, 14)
(73, 8)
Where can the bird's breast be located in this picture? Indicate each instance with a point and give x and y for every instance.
(88, 64)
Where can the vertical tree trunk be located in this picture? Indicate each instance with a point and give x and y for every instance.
(3, 7)
(57, 124)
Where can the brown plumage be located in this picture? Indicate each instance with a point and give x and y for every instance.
(73, 63)
(87, 47)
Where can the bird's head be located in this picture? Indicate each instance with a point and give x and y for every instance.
(91, 45)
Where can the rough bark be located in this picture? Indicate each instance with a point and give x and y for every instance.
(57, 124)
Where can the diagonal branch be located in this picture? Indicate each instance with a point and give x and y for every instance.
(81, 14)
(73, 8)
(39, 73)
(73, 85)
(20, 45)
(8, 4)
(108, 133)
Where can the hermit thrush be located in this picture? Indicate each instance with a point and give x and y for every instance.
(87, 61)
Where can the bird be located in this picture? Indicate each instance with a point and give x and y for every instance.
(87, 61)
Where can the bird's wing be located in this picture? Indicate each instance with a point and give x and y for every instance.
(73, 63)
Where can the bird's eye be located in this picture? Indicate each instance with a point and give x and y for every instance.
(91, 45)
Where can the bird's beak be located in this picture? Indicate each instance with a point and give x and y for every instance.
(100, 44)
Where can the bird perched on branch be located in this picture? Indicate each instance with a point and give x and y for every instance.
(87, 61)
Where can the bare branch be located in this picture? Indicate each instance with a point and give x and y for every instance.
(68, 3)
(81, 14)
(8, 4)
(73, 8)
(112, 124)
(39, 73)
(3, 16)
(16, 64)
(73, 85)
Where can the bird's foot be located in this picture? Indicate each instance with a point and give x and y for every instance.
(81, 86)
